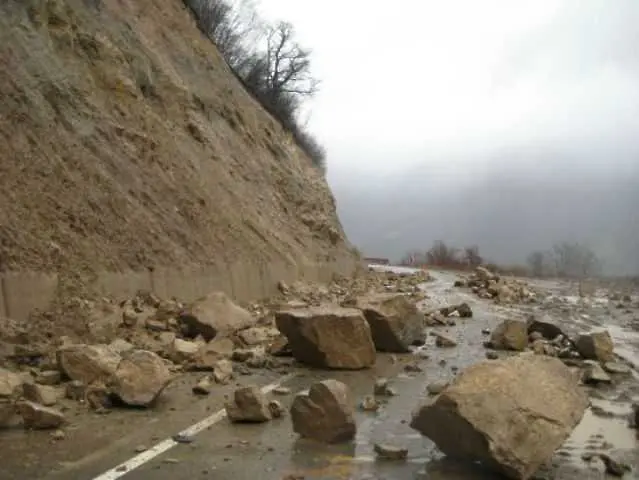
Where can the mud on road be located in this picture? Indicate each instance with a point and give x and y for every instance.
(93, 449)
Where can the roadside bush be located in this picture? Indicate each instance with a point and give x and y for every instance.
(268, 60)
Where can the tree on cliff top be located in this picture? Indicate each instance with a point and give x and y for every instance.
(268, 60)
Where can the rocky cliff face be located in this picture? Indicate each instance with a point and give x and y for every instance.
(128, 144)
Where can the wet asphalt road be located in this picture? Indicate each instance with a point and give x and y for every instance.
(271, 451)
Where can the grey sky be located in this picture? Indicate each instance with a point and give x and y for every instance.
(426, 96)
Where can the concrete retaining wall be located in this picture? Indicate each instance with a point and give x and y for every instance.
(21, 293)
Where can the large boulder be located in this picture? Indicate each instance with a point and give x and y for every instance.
(510, 335)
(395, 321)
(39, 417)
(42, 394)
(214, 314)
(324, 413)
(328, 336)
(596, 346)
(509, 414)
(140, 378)
(88, 363)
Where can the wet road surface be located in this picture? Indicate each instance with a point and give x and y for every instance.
(272, 451)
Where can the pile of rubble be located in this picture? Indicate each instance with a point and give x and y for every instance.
(592, 352)
(447, 315)
(145, 342)
(342, 288)
(135, 349)
(489, 285)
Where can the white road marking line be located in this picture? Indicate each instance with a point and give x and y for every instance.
(165, 445)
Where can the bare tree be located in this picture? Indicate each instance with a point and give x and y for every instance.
(289, 63)
(575, 260)
(413, 257)
(472, 257)
(268, 60)
(280, 75)
(442, 255)
(536, 263)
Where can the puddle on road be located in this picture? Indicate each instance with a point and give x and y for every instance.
(597, 434)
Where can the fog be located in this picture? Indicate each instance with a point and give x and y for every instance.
(510, 125)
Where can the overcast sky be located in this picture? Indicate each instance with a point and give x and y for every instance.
(424, 96)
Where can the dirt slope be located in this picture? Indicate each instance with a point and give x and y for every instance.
(126, 143)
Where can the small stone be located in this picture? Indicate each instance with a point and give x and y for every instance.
(464, 310)
(223, 371)
(141, 448)
(121, 346)
(42, 394)
(276, 408)
(97, 396)
(242, 354)
(182, 438)
(75, 390)
(534, 336)
(203, 387)
(485, 331)
(435, 318)
(594, 374)
(184, 350)
(383, 389)
(155, 325)
(436, 388)
(369, 404)
(58, 435)
(490, 355)
(249, 405)
(280, 348)
(256, 335)
(413, 367)
(49, 377)
(281, 391)
(390, 452)
(443, 341)
(129, 317)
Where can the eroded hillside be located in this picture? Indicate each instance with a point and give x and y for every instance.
(127, 143)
